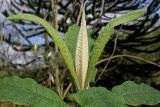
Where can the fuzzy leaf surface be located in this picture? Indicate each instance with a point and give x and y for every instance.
(98, 97)
(71, 39)
(137, 94)
(82, 55)
(57, 39)
(27, 92)
(104, 37)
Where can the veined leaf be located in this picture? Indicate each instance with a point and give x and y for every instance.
(98, 97)
(71, 39)
(128, 93)
(137, 94)
(104, 37)
(82, 56)
(27, 92)
(59, 42)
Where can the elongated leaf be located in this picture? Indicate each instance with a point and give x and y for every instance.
(98, 97)
(71, 39)
(135, 94)
(59, 42)
(104, 37)
(28, 92)
(82, 56)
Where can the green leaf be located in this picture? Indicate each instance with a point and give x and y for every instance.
(137, 94)
(28, 92)
(129, 93)
(59, 42)
(71, 39)
(98, 97)
(104, 37)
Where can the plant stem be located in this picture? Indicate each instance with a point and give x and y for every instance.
(130, 56)
(66, 91)
(114, 50)
(55, 25)
(54, 13)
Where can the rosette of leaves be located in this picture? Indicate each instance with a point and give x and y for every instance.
(81, 61)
